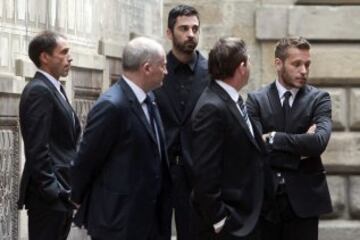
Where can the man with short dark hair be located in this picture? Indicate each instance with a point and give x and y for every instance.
(295, 119)
(227, 151)
(186, 79)
(121, 172)
(50, 130)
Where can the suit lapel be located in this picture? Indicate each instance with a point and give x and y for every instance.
(274, 100)
(231, 105)
(161, 133)
(65, 105)
(136, 108)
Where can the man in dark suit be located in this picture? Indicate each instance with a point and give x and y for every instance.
(296, 121)
(121, 171)
(227, 151)
(50, 130)
(186, 79)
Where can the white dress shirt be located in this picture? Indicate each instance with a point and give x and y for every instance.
(54, 81)
(234, 95)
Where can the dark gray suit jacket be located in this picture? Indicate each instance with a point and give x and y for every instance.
(50, 130)
(229, 165)
(294, 152)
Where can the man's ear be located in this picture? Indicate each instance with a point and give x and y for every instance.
(44, 57)
(169, 34)
(146, 67)
(242, 68)
(278, 64)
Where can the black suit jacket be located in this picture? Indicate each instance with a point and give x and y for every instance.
(118, 175)
(177, 126)
(228, 164)
(294, 152)
(50, 130)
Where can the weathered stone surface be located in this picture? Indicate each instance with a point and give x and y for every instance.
(325, 23)
(110, 49)
(354, 196)
(76, 234)
(24, 67)
(335, 64)
(87, 61)
(339, 229)
(9, 103)
(355, 108)
(340, 2)
(10, 84)
(269, 16)
(9, 162)
(313, 22)
(342, 153)
(339, 107)
(337, 187)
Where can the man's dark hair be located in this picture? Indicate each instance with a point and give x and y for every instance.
(45, 41)
(290, 42)
(226, 55)
(181, 10)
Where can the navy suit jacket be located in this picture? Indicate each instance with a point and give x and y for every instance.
(119, 175)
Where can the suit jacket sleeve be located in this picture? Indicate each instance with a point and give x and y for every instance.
(102, 130)
(309, 144)
(207, 145)
(38, 116)
(254, 111)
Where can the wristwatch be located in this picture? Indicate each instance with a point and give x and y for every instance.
(270, 138)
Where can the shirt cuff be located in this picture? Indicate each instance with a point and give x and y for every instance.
(220, 224)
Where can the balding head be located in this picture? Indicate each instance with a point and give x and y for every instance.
(139, 51)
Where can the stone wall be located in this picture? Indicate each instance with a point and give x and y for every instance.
(333, 28)
(97, 31)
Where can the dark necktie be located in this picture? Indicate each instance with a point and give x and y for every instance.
(62, 90)
(286, 107)
(153, 122)
(245, 114)
(64, 94)
(243, 108)
(151, 113)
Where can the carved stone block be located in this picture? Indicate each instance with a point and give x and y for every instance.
(355, 109)
(339, 107)
(354, 196)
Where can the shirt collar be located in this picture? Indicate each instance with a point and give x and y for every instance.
(176, 63)
(139, 93)
(234, 95)
(54, 81)
(281, 90)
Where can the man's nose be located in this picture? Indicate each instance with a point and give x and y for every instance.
(191, 33)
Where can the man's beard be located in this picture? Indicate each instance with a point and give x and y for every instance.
(290, 81)
(188, 47)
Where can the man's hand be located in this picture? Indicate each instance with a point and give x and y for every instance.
(311, 129)
(219, 226)
(265, 136)
(76, 205)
